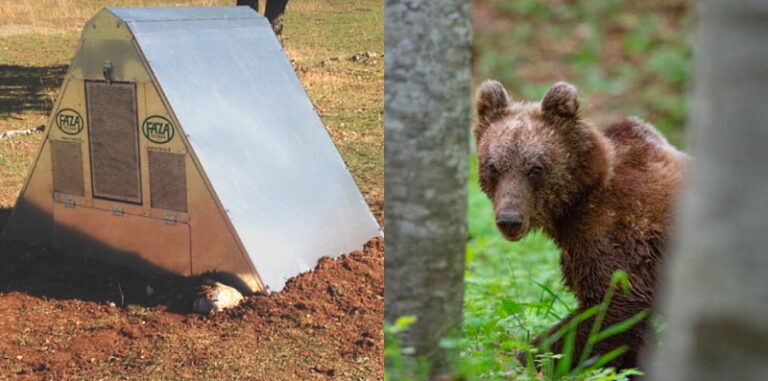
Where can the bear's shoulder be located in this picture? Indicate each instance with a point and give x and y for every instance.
(635, 141)
(634, 131)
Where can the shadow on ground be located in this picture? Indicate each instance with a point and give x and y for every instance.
(4, 214)
(53, 274)
(25, 88)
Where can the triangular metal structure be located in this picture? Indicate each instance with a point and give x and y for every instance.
(183, 141)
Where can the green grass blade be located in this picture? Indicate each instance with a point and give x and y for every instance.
(620, 327)
(564, 364)
(608, 357)
(555, 296)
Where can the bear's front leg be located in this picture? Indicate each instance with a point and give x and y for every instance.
(556, 347)
(620, 310)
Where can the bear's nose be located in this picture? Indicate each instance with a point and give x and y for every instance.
(510, 223)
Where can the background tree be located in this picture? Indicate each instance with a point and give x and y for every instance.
(716, 300)
(273, 11)
(426, 124)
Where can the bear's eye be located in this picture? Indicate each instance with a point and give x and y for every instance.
(489, 177)
(535, 172)
(493, 172)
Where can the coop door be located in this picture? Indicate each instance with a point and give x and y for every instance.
(114, 144)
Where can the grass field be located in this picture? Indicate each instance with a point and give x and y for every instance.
(626, 58)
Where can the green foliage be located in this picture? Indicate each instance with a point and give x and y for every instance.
(399, 362)
(626, 58)
(564, 367)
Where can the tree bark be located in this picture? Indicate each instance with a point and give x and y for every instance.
(426, 106)
(716, 286)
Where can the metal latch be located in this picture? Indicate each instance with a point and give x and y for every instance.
(107, 71)
(69, 203)
(117, 211)
(170, 220)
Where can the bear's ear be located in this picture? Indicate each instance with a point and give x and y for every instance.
(491, 102)
(561, 100)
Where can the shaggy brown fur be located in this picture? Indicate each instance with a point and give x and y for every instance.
(605, 198)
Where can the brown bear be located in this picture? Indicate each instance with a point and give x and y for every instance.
(604, 197)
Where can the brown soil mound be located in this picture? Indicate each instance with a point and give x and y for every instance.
(64, 317)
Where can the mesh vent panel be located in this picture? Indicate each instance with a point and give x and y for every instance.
(167, 181)
(67, 167)
(113, 130)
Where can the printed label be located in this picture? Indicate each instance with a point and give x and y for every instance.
(69, 121)
(157, 129)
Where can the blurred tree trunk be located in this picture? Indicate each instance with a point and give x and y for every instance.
(426, 124)
(716, 290)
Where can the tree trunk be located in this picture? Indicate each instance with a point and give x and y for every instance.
(273, 11)
(716, 289)
(426, 124)
(250, 3)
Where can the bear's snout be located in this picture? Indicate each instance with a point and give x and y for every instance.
(510, 224)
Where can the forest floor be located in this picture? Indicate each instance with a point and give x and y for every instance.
(62, 317)
(625, 57)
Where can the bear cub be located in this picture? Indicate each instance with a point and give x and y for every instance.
(604, 197)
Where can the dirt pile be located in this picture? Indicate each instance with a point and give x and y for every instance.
(63, 316)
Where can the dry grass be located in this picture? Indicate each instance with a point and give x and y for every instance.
(16, 154)
(37, 38)
(57, 16)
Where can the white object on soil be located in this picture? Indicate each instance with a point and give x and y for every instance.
(216, 297)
